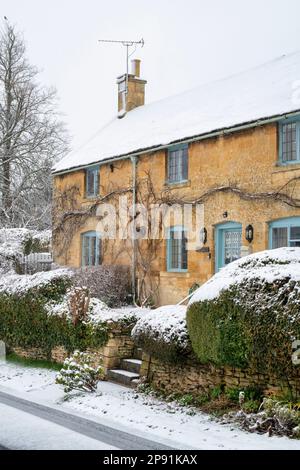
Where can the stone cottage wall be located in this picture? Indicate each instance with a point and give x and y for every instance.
(248, 159)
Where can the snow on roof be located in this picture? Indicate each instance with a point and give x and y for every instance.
(262, 92)
(269, 265)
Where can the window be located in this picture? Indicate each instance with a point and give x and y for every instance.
(290, 142)
(176, 250)
(178, 164)
(91, 249)
(285, 232)
(92, 181)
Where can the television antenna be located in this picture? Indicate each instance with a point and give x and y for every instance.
(128, 45)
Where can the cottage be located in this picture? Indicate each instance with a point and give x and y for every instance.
(232, 146)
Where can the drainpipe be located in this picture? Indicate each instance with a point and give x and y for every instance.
(133, 265)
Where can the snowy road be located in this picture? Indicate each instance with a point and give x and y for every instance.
(22, 431)
(29, 425)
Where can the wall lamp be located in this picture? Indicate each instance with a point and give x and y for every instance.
(249, 233)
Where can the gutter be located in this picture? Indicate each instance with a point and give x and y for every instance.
(225, 131)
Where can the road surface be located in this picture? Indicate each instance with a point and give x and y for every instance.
(23, 420)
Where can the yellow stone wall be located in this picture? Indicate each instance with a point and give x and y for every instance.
(247, 159)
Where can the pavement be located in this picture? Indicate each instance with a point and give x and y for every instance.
(83, 426)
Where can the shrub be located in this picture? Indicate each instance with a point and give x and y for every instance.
(25, 320)
(253, 320)
(25, 323)
(111, 284)
(163, 333)
(51, 284)
(78, 303)
(186, 400)
(78, 373)
(274, 418)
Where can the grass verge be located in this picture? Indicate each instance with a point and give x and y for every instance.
(27, 362)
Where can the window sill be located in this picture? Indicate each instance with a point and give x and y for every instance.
(90, 198)
(284, 167)
(175, 274)
(179, 184)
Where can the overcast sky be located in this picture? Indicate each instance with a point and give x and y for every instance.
(187, 42)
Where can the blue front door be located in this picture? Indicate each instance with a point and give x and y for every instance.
(228, 244)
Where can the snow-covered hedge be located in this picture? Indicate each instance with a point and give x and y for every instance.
(15, 242)
(56, 281)
(163, 333)
(27, 319)
(248, 314)
(36, 311)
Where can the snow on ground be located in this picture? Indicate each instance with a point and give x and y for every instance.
(125, 409)
(267, 265)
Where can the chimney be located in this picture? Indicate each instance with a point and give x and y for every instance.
(136, 89)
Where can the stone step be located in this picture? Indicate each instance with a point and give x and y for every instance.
(132, 365)
(138, 353)
(135, 383)
(122, 376)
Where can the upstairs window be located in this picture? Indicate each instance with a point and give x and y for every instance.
(92, 181)
(91, 249)
(177, 259)
(290, 142)
(177, 167)
(285, 233)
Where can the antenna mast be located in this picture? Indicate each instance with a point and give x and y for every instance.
(126, 44)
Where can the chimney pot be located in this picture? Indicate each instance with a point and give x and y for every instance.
(136, 67)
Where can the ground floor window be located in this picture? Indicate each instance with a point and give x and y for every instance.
(177, 258)
(285, 232)
(91, 249)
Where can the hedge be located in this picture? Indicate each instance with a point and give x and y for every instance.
(250, 324)
(24, 322)
(162, 333)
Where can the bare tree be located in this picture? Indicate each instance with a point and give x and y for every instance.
(32, 137)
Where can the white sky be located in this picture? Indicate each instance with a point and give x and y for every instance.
(187, 42)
